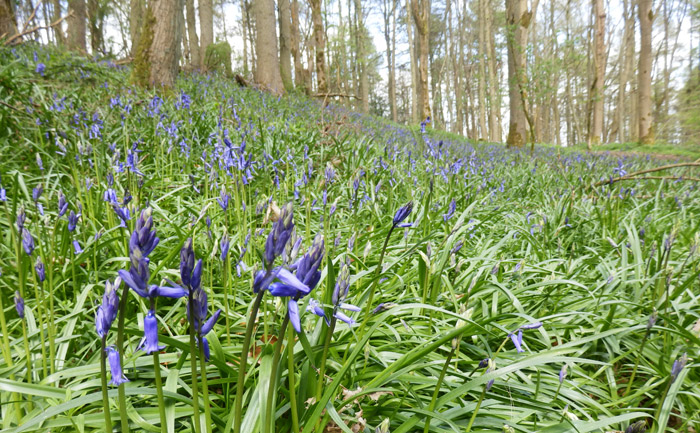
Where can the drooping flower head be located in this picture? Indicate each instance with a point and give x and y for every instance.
(108, 311)
(72, 220)
(225, 243)
(115, 367)
(21, 218)
(40, 270)
(62, 204)
(27, 242)
(197, 313)
(186, 262)
(149, 342)
(403, 213)
(137, 279)
(279, 235)
(517, 335)
(637, 427)
(678, 365)
(19, 305)
(143, 239)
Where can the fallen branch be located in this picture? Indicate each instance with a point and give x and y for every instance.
(31, 17)
(692, 179)
(648, 170)
(333, 95)
(11, 41)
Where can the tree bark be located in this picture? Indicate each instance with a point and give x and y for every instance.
(414, 65)
(285, 18)
(77, 25)
(136, 15)
(320, 46)
(495, 133)
(518, 19)
(296, 53)
(267, 68)
(96, 20)
(164, 48)
(646, 130)
(482, 67)
(195, 54)
(8, 21)
(420, 10)
(206, 27)
(597, 89)
(389, 15)
(361, 42)
(57, 30)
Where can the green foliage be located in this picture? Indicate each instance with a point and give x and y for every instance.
(218, 58)
(526, 243)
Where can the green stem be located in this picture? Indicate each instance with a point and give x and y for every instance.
(269, 416)
(373, 285)
(244, 362)
(103, 378)
(431, 407)
(205, 388)
(636, 363)
(476, 410)
(120, 347)
(322, 366)
(193, 368)
(291, 377)
(159, 386)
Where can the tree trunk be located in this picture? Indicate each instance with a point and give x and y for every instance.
(361, 40)
(495, 133)
(320, 46)
(77, 25)
(646, 130)
(164, 48)
(421, 15)
(136, 14)
(195, 55)
(414, 65)
(8, 21)
(285, 18)
(389, 15)
(96, 20)
(57, 30)
(597, 89)
(517, 21)
(296, 53)
(482, 67)
(267, 68)
(206, 27)
(458, 68)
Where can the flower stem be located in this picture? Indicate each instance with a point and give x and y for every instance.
(205, 388)
(244, 362)
(120, 347)
(29, 362)
(431, 407)
(373, 284)
(290, 376)
(193, 368)
(159, 382)
(476, 410)
(103, 377)
(636, 362)
(269, 416)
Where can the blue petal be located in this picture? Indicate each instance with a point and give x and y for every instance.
(516, 342)
(171, 292)
(293, 311)
(341, 316)
(281, 290)
(209, 324)
(289, 279)
(349, 307)
(205, 345)
(130, 280)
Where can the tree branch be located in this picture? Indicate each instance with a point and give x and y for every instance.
(13, 39)
(649, 170)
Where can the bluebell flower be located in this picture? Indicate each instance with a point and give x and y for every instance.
(279, 235)
(143, 239)
(186, 262)
(637, 427)
(562, 373)
(149, 342)
(40, 68)
(36, 192)
(62, 204)
(19, 304)
(3, 194)
(678, 365)
(115, 367)
(40, 270)
(518, 338)
(72, 220)
(27, 242)
(21, 219)
(450, 210)
(223, 199)
(108, 311)
(77, 248)
(224, 243)
(137, 279)
(198, 316)
(403, 213)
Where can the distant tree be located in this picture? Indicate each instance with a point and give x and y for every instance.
(420, 9)
(77, 25)
(157, 53)
(206, 26)
(137, 11)
(319, 46)
(518, 19)
(646, 17)
(597, 94)
(193, 39)
(8, 21)
(285, 19)
(267, 69)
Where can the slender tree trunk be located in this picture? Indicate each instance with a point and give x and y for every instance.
(392, 67)
(57, 30)
(495, 133)
(517, 21)
(458, 69)
(597, 89)
(285, 19)
(206, 27)
(482, 67)
(77, 25)
(296, 52)
(95, 18)
(361, 40)
(267, 70)
(414, 65)
(421, 15)
(389, 15)
(320, 46)
(195, 55)
(244, 31)
(646, 131)
(8, 21)
(163, 53)
(137, 11)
